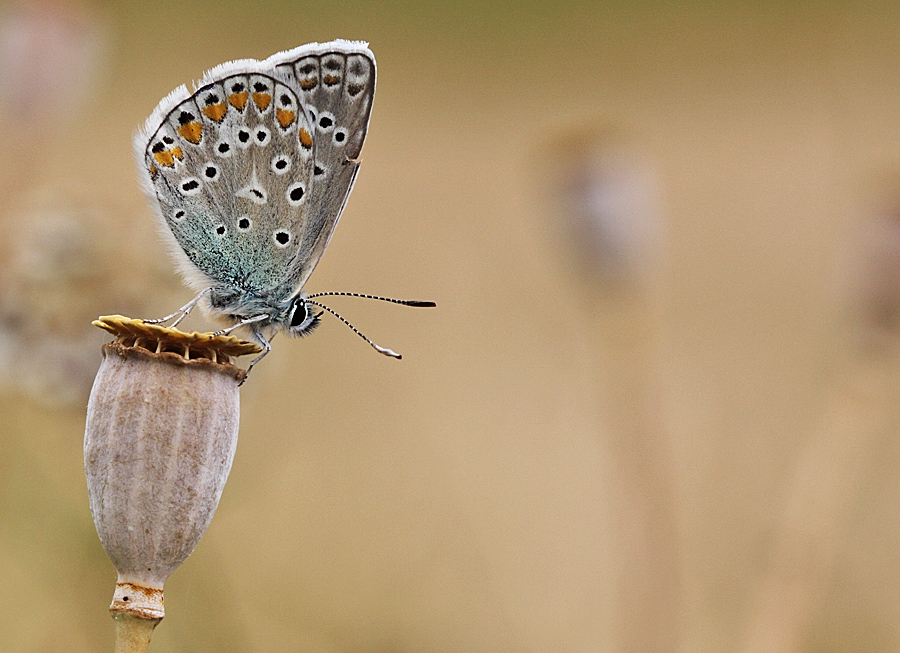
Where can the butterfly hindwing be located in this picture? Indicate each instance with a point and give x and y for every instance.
(336, 85)
(231, 169)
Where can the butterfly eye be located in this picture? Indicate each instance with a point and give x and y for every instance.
(302, 321)
(300, 313)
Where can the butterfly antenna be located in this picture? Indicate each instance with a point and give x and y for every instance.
(381, 350)
(404, 302)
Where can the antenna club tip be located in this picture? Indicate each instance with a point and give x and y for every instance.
(419, 304)
(388, 352)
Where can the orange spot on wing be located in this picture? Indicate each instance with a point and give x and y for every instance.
(305, 138)
(285, 117)
(238, 100)
(331, 80)
(309, 83)
(166, 158)
(262, 100)
(216, 111)
(153, 171)
(191, 132)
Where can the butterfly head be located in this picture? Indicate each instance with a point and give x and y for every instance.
(301, 318)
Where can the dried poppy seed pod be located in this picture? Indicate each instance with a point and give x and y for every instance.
(162, 427)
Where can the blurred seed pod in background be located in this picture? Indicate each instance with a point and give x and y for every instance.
(605, 194)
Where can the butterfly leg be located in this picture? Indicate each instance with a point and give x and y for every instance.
(261, 339)
(182, 312)
(245, 322)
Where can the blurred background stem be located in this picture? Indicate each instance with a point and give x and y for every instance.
(820, 506)
(648, 590)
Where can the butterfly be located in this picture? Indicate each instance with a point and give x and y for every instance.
(249, 174)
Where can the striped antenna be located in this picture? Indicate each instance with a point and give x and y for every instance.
(404, 302)
(379, 349)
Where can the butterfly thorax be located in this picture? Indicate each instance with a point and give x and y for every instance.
(238, 304)
(270, 312)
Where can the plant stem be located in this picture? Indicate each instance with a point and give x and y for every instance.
(133, 633)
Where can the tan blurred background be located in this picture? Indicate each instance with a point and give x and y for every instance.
(655, 409)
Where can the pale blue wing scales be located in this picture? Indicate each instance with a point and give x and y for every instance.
(231, 166)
